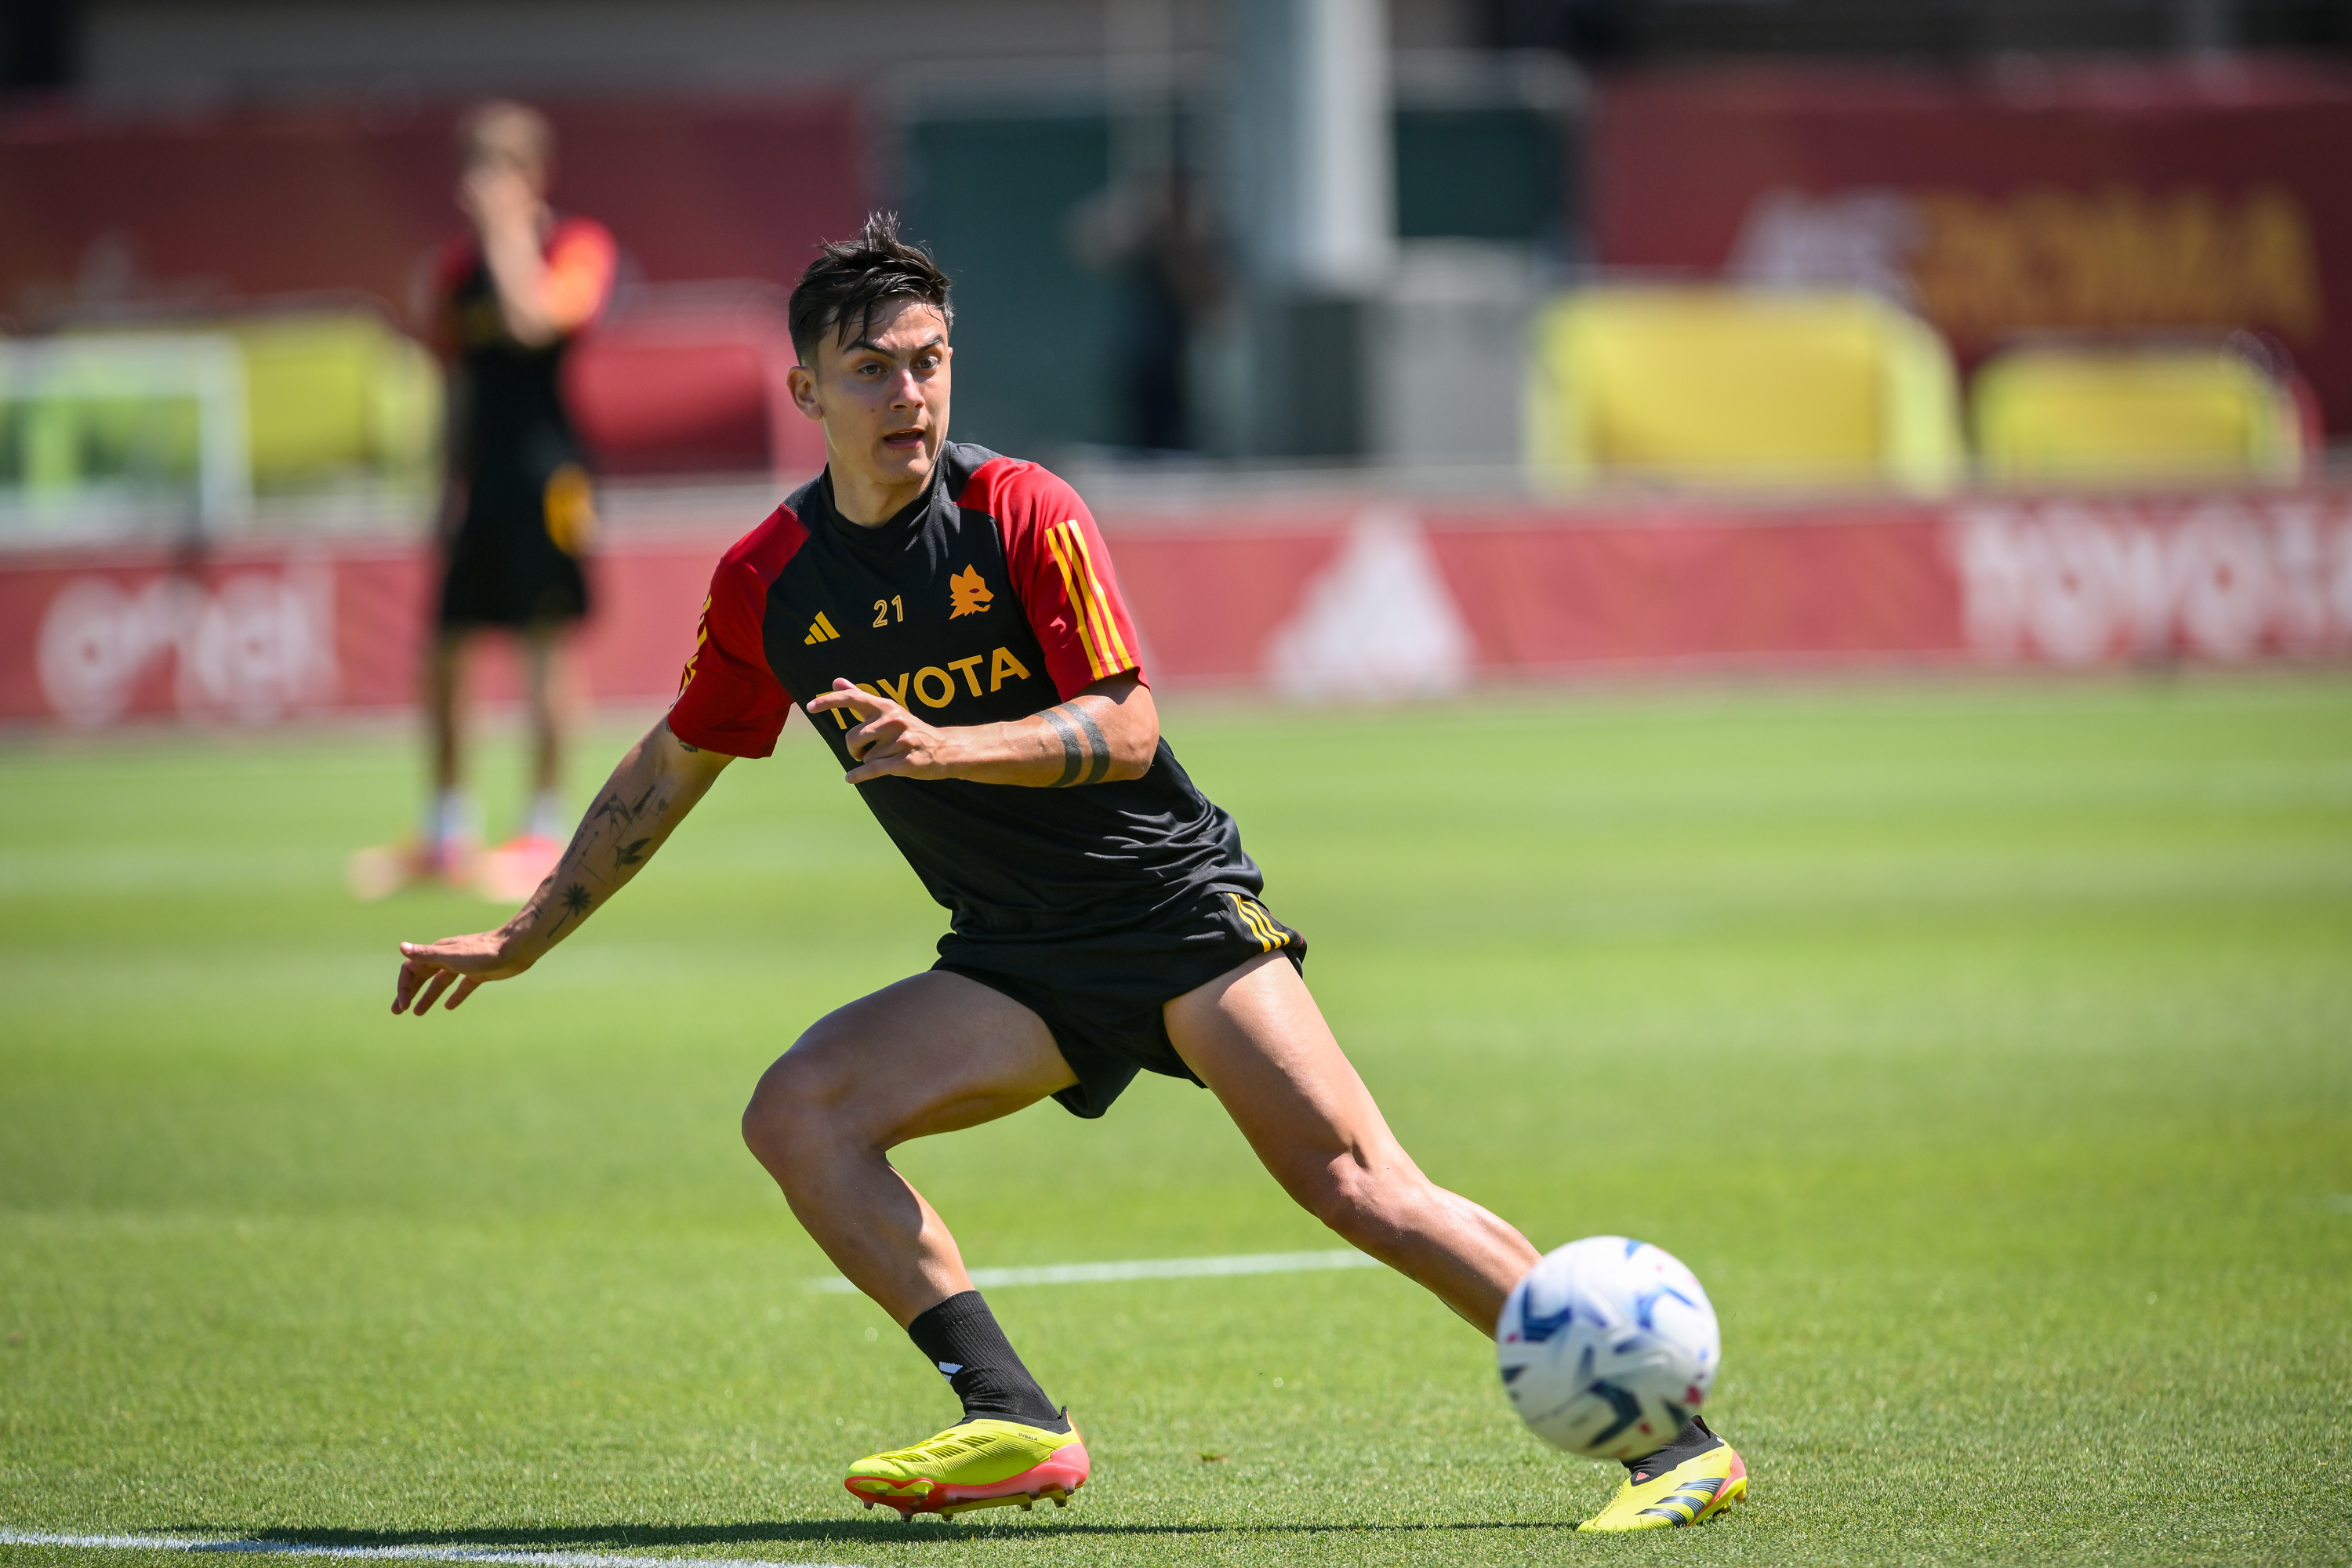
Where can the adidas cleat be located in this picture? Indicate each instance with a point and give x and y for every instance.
(1694, 1490)
(980, 1463)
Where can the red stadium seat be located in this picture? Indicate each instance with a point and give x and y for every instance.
(693, 381)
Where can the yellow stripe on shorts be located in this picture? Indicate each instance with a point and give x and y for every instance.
(1269, 936)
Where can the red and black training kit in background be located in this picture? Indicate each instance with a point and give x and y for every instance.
(523, 508)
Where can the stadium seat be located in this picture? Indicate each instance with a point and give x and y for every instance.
(337, 397)
(690, 380)
(2075, 414)
(685, 381)
(1741, 387)
(332, 399)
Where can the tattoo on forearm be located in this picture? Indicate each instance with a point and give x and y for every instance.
(1071, 760)
(576, 901)
(1085, 754)
(603, 828)
(620, 810)
(1097, 746)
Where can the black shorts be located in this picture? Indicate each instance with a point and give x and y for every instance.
(1102, 994)
(514, 561)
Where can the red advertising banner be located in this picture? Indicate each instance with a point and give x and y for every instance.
(1331, 600)
(98, 211)
(2111, 196)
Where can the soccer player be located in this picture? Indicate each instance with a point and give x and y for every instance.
(949, 622)
(509, 299)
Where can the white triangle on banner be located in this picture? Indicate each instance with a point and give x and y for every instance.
(1376, 623)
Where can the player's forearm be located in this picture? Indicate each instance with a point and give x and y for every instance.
(648, 795)
(1093, 738)
(519, 273)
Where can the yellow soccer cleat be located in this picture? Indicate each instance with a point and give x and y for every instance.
(1694, 1490)
(980, 1463)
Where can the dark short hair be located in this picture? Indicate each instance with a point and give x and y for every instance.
(851, 279)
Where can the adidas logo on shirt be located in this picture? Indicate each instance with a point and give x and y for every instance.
(820, 630)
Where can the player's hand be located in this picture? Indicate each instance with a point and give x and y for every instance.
(429, 968)
(497, 197)
(890, 742)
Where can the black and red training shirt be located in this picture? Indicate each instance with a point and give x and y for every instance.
(989, 598)
(510, 418)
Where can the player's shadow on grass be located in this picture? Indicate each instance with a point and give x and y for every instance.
(789, 1531)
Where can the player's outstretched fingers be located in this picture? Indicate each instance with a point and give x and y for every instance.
(860, 702)
(442, 980)
(412, 978)
(878, 719)
(428, 970)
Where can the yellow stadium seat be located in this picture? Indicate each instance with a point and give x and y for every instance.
(2117, 414)
(1741, 387)
(332, 399)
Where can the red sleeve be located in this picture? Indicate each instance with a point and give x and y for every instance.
(728, 701)
(1061, 572)
(580, 259)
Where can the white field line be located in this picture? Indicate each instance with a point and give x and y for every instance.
(1142, 1268)
(387, 1554)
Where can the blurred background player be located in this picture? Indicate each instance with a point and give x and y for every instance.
(508, 299)
(1158, 237)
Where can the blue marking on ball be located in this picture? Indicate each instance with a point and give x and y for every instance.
(1537, 1327)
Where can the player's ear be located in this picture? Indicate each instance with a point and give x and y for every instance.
(802, 382)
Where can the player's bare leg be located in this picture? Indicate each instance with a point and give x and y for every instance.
(548, 684)
(515, 867)
(444, 675)
(1259, 1042)
(933, 1053)
(443, 850)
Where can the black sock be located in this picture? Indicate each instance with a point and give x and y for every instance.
(1689, 1443)
(960, 1337)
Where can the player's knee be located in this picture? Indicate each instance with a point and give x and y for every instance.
(1359, 1202)
(787, 1115)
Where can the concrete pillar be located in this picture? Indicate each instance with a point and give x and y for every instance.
(1310, 187)
(1312, 150)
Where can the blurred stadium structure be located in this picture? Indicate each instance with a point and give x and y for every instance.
(1399, 344)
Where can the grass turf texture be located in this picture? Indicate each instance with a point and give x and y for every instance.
(1984, 1048)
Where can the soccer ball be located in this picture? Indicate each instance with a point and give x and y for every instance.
(1607, 1347)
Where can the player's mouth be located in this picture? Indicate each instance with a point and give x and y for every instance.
(909, 439)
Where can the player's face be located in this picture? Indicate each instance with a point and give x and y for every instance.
(884, 401)
(503, 151)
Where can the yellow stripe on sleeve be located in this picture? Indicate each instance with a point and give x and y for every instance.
(1077, 596)
(1106, 623)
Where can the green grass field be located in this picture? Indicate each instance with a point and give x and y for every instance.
(1986, 1048)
